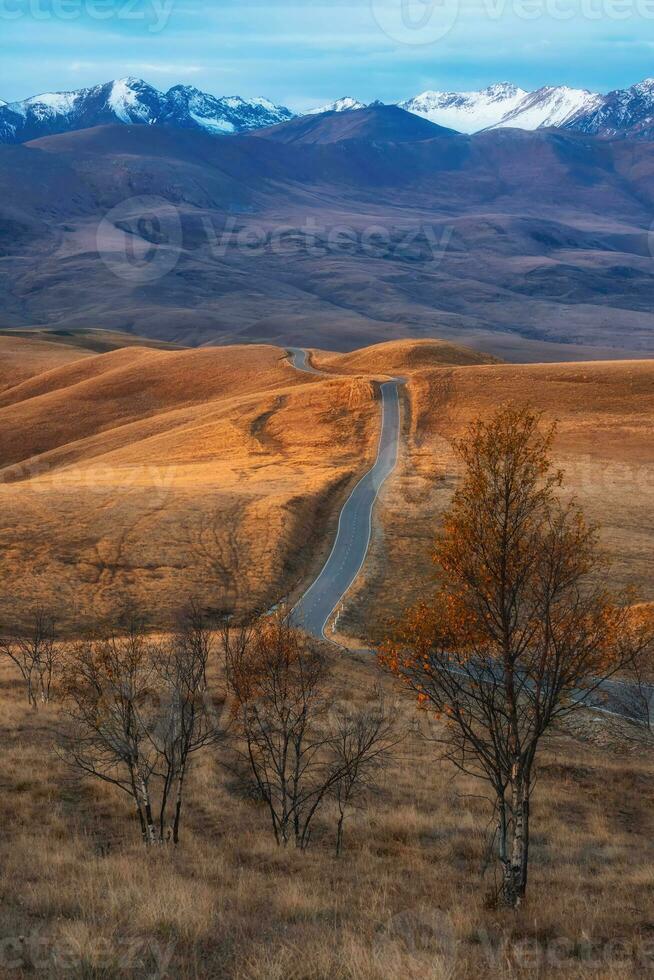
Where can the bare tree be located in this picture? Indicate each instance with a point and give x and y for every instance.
(136, 711)
(108, 702)
(275, 679)
(361, 743)
(520, 632)
(296, 749)
(189, 719)
(37, 654)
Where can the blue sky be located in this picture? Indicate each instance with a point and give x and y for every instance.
(304, 54)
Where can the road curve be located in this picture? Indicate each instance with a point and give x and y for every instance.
(313, 610)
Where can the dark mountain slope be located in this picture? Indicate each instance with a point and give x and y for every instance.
(530, 245)
(387, 123)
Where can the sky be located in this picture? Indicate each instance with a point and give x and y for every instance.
(304, 54)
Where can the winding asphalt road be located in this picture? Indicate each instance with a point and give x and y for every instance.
(348, 553)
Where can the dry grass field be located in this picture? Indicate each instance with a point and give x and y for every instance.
(400, 357)
(25, 353)
(22, 358)
(80, 896)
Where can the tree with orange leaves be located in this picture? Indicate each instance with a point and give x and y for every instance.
(521, 630)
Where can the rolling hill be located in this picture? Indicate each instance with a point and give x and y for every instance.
(145, 472)
(377, 122)
(221, 471)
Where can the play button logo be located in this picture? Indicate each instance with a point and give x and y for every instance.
(416, 22)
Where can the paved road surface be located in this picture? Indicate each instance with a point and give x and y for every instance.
(355, 522)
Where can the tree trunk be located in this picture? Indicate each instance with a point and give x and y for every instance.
(164, 803)
(178, 806)
(151, 832)
(503, 846)
(515, 864)
(137, 802)
(339, 834)
(144, 833)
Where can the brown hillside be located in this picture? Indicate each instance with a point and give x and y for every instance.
(27, 352)
(100, 393)
(400, 357)
(22, 358)
(145, 472)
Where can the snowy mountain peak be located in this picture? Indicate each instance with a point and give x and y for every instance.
(133, 101)
(549, 106)
(620, 113)
(345, 104)
(501, 90)
(467, 111)
(647, 85)
(132, 83)
(126, 99)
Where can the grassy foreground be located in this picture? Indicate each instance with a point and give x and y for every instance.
(80, 896)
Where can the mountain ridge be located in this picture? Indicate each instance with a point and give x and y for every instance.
(621, 113)
(131, 101)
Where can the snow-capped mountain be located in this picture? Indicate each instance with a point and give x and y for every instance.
(622, 113)
(346, 104)
(551, 106)
(503, 105)
(628, 111)
(190, 108)
(467, 112)
(131, 100)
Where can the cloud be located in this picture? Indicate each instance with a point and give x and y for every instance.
(145, 68)
(168, 69)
